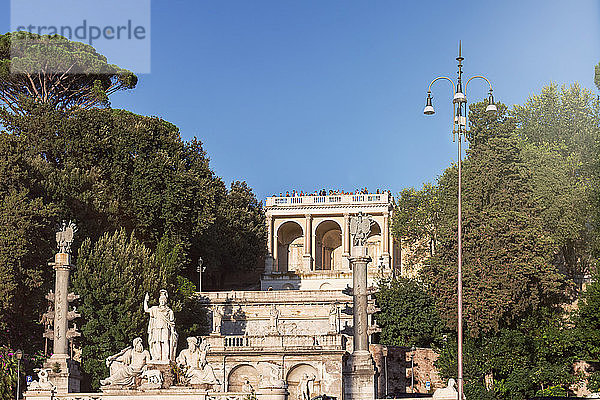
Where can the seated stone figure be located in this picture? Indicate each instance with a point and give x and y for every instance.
(447, 393)
(126, 365)
(193, 358)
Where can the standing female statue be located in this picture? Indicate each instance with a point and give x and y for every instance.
(162, 337)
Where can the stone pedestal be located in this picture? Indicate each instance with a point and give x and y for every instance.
(167, 372)
(359, 375)
(307, 262)
(272, 394)
(269, 262)
(64, 374)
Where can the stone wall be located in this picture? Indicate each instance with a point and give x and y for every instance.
(299, 312)
(399, 370)
(234, 367)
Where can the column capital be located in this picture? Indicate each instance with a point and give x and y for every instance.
(308, 216)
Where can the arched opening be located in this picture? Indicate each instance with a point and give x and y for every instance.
(239, 375)
(303, 375)
(328, 246)
(290, 247)
(374, 244)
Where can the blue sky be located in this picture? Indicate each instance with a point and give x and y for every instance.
(310, 94)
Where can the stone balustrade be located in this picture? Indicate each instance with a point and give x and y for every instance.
(275, 342)
(329, 199)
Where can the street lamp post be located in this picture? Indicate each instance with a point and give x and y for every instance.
(459, 127)
(19, 355)
(200, 269)
(412, 369)
(385, 354)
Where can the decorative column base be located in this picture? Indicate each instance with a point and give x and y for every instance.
(359, 376)
(307, 262)
(64, 373)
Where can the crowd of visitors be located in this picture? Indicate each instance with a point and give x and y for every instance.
(330, 192)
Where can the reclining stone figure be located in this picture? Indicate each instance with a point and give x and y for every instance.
(126, 365)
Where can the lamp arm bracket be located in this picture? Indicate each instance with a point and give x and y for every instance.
(441, 77)
(480, 77)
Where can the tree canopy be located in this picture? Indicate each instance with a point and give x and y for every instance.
(108, 170)
(408, 314)
(51, 69)
(507, 270)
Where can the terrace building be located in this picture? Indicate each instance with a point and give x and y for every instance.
(309, 242)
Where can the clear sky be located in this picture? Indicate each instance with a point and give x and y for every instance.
(330, 94)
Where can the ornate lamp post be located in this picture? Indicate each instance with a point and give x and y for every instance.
(459, 127)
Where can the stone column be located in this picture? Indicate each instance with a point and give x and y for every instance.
(386, 240)
(61, 304)
(346, 242)
(308, 258)
(359, 262)
(270, 252)
(275, 253)
(65, 372)
(359, 372)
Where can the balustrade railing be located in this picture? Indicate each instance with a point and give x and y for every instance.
(329, 199)
(299, 341)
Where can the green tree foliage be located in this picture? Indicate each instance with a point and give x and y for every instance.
(560, 130)
(507, 271)
(416, 221)
(597, 75)
(53, 70)
(241, 228)
(26, 242)
(408, 315)
(8, 374)
(532, 359)
(112, 169)
(112, 276)
(9, 366)
(587, 321)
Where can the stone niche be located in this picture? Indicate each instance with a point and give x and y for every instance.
(326, 369)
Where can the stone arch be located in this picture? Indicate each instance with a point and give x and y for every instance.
(294, 376)
(375, 243)
(328, 246)
(290, 246)
(238, 375)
